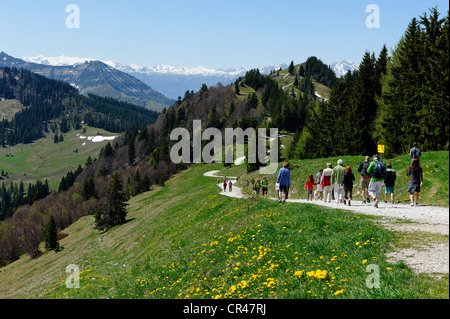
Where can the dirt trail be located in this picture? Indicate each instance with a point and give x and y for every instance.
(425, 228)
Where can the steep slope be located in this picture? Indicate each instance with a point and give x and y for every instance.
(186, 241)
(98, 78)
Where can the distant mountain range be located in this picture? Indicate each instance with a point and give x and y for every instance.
(137, 84)
(169, 80)
(95, 77)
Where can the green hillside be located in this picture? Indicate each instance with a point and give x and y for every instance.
(44, 159)
(184, 240)
(286, 80)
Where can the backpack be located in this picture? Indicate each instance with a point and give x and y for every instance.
(364, 169)
(380, 170)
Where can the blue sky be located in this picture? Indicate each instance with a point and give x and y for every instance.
(219, 34)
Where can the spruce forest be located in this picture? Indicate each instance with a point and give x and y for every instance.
(396, 97)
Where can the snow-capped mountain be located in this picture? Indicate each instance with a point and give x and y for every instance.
(93, 76)
(172, 81)
(57, 60)
(162, 69)
(341, 67)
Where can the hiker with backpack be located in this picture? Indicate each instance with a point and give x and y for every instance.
(378, 171)
(365, 179)
(389, 183)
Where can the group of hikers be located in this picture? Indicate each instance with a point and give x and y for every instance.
(337, 183)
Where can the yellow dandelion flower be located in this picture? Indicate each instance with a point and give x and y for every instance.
(338, 292)
(299, 273)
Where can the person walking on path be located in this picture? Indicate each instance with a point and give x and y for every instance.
(257, 187)
(225, 183)
(415, 152)
(326, 183)
(230, 186)
(264, 186)
(284, 179)
(389, 183)
(319, 186)
(336, 178)
(365, 179)
(309, 186)
(415, 181)
(378, 171)
(347, 184)
(277, 190)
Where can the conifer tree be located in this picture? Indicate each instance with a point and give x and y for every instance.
(301, 71)
(51, 235)
(89, 191)
(291, 68)
(114, 211)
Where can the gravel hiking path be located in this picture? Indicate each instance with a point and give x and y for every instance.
(425, 228)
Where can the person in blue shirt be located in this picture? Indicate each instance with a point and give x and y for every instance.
(284, 179)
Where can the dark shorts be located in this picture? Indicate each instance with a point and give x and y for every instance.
(264, 190)
(348, 193)
(284, 189)
(414, 187)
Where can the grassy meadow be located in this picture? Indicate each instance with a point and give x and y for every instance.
(44, 159)
(184, 240)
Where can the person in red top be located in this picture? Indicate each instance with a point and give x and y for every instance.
(309, 186)
(225, 183)
(326, 183)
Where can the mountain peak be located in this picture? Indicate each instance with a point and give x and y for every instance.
(342, 67)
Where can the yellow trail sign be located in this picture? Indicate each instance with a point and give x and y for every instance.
(381, 148)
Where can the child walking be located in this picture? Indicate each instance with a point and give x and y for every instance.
(257, 187)
(389, 183)
(309, 186)
(347, 183)
(264, 187)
